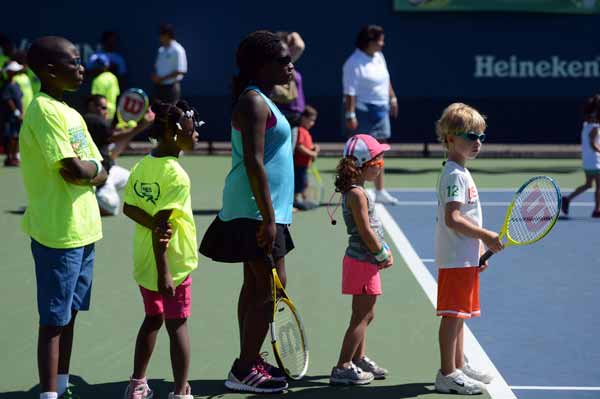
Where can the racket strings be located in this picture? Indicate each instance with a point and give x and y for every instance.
(290, 342)
(534, 212)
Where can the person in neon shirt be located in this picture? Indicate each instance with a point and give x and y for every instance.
(60, 166)
(105, 83)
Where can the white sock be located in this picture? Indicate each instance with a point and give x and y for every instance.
(48, 395)
(62, 383)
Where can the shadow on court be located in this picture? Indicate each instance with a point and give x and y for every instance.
(205, 212)
(309, 387)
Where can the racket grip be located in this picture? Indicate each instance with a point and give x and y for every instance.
(488, 254)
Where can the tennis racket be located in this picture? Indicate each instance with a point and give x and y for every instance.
(531, 214)
(315, 192)
(288, 338)
(132, 105)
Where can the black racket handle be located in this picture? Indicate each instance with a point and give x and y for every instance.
(488, 254)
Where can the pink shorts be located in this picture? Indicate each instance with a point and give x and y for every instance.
(360, 278)
(175, 307)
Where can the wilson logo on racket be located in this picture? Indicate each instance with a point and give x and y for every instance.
(535, 212)
(133, 105)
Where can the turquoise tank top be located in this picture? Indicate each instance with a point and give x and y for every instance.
(238, 199)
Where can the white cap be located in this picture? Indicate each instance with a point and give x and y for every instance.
(13, 66)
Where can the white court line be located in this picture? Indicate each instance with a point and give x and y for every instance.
(491, 203)
(498, 389)
(539, 388)
(484, 190)
(427, 260)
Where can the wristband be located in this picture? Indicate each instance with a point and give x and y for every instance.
(98, 166)
(350, 115)
(382, 255)
(17, 113)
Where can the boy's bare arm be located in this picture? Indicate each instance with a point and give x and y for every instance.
(593, 135)
(138, 215)
(457, 222)
(77, 171)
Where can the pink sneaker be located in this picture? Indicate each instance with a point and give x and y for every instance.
(138, 389)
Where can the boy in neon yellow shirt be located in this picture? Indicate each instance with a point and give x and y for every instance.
(157, 197)
(60, 166)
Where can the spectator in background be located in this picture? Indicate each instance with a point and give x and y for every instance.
(290, 97)
(11, 113)
(171, 65)
(104, 82)
(36, 85)
(22, 79)
(105, 138)
(7, 49)
(369, 97)
(117, 64)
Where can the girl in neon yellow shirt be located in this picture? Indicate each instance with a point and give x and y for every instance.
(157, 198)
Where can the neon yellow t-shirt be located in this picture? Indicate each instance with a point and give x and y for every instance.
(36, 85)
(107, 85)
(59, 214)
(25, 85)
(158, 184)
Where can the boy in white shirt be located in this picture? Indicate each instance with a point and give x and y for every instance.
(459, 242)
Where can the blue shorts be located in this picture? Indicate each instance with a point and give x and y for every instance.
(64, 281)
(376, 124)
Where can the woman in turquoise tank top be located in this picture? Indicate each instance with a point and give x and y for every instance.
(257, 202)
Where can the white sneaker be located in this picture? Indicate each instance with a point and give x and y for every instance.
(384, 197)
(457, 382)
(475, 374)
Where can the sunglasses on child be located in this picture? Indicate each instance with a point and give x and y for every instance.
(471, 136)
(375, 162)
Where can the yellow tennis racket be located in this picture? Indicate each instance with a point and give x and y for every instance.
(287, 331)
(531, 214)
(315, 192)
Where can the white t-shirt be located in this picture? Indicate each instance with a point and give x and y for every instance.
(589, 157)
(169, 60)
(453, 249)
(367, 78)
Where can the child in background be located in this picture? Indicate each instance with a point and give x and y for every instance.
(157, 198)
(590, 154)
(458, 246)
(304, 154)
(11, 112)
(366, 254)
(60, 165)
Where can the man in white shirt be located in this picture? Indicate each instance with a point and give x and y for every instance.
(170, 66)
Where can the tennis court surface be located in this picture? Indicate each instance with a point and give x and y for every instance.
(538, 303)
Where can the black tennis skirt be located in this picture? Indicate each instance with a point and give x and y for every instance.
(235, 241)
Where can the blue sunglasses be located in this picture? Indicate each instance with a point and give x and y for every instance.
(471, 136)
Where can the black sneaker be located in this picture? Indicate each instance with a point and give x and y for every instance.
(256, 380)
(277, 374)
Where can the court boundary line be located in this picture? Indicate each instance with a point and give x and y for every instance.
(553, 388)
(576, 204)
(481, 190)
(498, 389)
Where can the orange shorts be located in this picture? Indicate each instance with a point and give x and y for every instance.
(458, 292)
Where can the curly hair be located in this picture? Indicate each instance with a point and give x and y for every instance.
(346, 174)
(254, 51)
(167, 116)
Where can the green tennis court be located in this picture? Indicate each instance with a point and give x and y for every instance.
(403, 337)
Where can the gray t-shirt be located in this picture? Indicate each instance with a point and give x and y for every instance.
(356, 248)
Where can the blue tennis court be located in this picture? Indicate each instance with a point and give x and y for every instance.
(539, 323)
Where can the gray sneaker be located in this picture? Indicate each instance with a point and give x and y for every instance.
(350, 376)
(369, 365)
